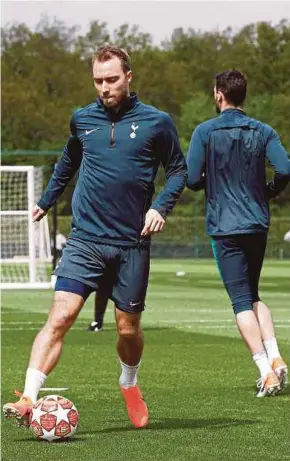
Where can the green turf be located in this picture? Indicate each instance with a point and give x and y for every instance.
(196, 375)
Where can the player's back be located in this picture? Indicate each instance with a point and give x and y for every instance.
(236, 149)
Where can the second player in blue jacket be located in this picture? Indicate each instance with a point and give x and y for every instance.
(227, 157)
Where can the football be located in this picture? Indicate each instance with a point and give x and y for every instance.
(53, 418)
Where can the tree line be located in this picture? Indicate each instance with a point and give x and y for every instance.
(46, 75)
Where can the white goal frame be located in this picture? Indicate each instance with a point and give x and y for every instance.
(45, 251)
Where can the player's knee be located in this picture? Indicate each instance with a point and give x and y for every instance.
(59, 324)
(127, 329)
(56, 327)
(240, 294)
(239, 307)
(128, 332)
(60, 318)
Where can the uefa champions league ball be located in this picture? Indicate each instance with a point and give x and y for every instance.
(53, 418)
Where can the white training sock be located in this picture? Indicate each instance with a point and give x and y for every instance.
(128, 377)
(262, 362)
(271, 347)
(33, 382)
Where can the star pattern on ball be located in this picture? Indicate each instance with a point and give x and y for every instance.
(37, 413)
(49, 435)
(61, 414)
(50, 419)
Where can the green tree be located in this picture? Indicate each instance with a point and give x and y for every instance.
(41, 82)
(96, 36)
(46, 73)
(193, 112)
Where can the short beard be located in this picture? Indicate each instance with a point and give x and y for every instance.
(116, 105)
(109, 106)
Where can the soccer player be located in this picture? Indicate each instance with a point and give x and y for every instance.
(117, 144)
(227, 157)
(101, 302)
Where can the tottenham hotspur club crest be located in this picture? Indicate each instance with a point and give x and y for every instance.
(134, 127)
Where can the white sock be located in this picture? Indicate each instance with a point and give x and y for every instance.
(271, 347)
(262, 362)
(33, 382)
(128, 377)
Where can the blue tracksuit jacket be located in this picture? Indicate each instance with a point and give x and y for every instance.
(227, 157)
(117, 155)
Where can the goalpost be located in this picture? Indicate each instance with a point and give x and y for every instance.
(25, 246)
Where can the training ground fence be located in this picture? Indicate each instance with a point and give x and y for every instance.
(185, 237)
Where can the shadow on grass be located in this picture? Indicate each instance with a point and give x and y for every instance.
(163, 424)
(286, 391)
(174, 423)
(74, 439)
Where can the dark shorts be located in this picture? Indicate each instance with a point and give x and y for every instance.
(121, 273)
(240, 259)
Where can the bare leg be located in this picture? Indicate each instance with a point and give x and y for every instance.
(130, 337)
(47, 346)
(130, 347)
(250, 330)
(264, 317)
(265, 321)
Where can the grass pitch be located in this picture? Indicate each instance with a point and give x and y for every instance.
(197, 375)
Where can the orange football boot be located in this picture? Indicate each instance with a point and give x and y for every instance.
(281, 370)
(19, 410)
(136, 406)
(269, 385)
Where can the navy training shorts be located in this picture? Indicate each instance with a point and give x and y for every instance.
(121, 273)
(240, 259)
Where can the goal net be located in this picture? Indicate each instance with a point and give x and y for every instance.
(25, 246)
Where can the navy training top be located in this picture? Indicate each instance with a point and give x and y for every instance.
(227, 157)
(118, 155)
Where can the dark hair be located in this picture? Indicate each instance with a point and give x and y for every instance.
(107, 52)
(233, 85)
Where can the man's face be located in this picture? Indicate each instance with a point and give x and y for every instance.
(217, 99)
(111, 83)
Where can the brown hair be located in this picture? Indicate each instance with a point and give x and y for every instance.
(107, 52)
(233, 85)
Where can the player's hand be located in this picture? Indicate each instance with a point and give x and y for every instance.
(37, 213)
(153, 223)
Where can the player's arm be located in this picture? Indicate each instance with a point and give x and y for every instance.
(196, 161)
(171, 156)
(278, 159)
(63, 173)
